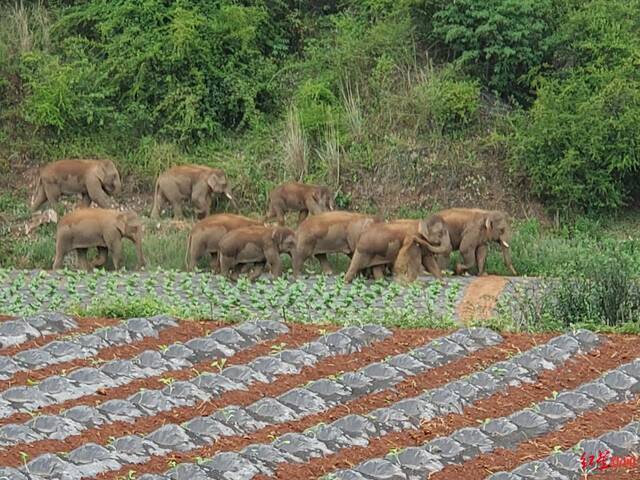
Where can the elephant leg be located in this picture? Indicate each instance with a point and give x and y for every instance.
(431, 265)
(39, 197)
(256, 271)
(300, 256)
(469, 257)
(61, 251)
(101, 259)
(171, 192)
(378, 272)
(97, 193)
(226, 264)
(358, 262)
(52, 192)
(85, 201)
(324, 263)
(214, 262)
(158, 204)
(113, 240)
(481, 257)
(82, 259)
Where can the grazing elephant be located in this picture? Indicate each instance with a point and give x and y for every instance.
(380, 244)
(195, 182)
(85, 228)
(207, 233)
(95, 180)
(258, 245)
(298, 197)
(328, 232)
(471, 230)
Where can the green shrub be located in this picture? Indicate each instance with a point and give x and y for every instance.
(578, 144)
(449, 103)
(499, 41)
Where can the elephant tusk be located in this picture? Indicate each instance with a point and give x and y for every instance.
(504, 244)
(228, 196)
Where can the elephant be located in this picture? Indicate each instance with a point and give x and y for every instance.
(328, 232)
(207, 233)
(298, 197)
(196, 182)
(95, 180)
(84, 228)
(259, 244)
(380, 244)
(471, 230)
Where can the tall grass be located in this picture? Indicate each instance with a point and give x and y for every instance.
(296, 154)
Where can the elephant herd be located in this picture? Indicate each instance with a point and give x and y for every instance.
(237, 244)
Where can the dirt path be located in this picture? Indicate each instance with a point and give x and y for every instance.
(480, 298)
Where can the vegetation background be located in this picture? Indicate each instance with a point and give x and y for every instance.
(401, 106)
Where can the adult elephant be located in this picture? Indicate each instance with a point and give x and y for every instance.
(380, 244)
(205, 237)
(328, 232)
(471, 230)
(260, 245)
(95, 180)
(104, 229)
(194, 182)
(298, 197)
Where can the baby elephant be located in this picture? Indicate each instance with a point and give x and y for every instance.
(95, 180)
(85, 228)
(207, 233)
(298, 197)
(195, 182)
(259, 245)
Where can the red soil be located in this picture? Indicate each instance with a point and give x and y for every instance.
(410, 387)
(180, 333)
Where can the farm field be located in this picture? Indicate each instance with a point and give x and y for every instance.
(161, 398)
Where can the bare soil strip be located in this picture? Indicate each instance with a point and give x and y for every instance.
(480, 298)
(298, 334)
(588, 425)
(618, 350)
(85, 325)
(400, 341)
(183, 332)
(410, 387)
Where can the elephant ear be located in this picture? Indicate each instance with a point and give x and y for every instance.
(101, 171)
(216, 181)
(121, 222)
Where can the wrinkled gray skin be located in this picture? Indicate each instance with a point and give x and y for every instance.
(298, 197)
(472, 230)
(95, 180)
(190, 182)
(104, 229)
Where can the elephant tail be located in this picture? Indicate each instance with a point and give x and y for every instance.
(38, 192)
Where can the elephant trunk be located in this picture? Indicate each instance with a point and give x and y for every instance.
(227, 194)
(117, 186)
(444, 247)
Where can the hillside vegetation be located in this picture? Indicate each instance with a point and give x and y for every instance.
(409, 104)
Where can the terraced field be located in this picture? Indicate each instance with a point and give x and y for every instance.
(159, 398)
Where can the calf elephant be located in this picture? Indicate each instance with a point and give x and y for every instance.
(95, 180)
(380, 244)
(104, 229)
(471, 230)
(328, 232)
(207, 233)
(298, 197)
(195, 182)
(258, 245)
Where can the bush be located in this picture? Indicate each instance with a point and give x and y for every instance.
(450, 104)
(499, 41)
(578, 144)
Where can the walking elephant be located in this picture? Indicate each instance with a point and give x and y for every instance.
(472, 230)
(298, 197)
(260, 245)
(380, 244)
(194, 182)
(104, 229)
(205, 237)
(328, 232)
(95, 180)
